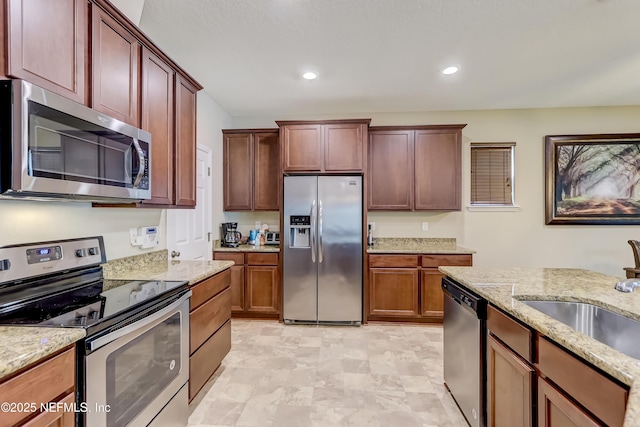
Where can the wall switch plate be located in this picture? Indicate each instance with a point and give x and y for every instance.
(425, 226)
(373, 226)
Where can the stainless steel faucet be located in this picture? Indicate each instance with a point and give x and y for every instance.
(627, 285)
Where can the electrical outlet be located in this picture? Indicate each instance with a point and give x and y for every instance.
(425, 226)
(373, 226)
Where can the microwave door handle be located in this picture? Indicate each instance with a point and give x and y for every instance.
(142, 162)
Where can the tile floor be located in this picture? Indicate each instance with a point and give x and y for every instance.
(369, 376)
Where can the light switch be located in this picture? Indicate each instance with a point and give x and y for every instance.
(425, 226)
(373, 226)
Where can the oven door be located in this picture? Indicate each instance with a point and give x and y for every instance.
(137, 370)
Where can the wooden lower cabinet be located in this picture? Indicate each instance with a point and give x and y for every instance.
(432, 297)
(209, 328)
(556, 410)
(509, 387)
(408, 287)
(237, 288)
(394, 292)
(262, 289)
(255, 283)
(44, 382)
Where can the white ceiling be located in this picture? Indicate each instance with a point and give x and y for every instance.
(386, 55)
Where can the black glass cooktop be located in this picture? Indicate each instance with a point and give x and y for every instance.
(87, 305)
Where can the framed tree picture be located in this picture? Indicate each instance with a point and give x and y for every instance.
(592, 179)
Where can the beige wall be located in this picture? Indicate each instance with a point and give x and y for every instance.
(512, 238)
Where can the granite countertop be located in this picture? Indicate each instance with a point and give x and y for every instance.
(386, 245)
(193, 271)
(248, 248)
(23, 345)
(504, 287)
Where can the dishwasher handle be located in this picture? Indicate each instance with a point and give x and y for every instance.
(466, 299)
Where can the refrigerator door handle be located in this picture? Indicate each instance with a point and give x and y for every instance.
(313, 232)
(320, 231)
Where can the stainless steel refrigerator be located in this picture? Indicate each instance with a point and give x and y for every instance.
(322, 249)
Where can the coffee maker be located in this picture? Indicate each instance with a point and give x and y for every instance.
(230, 234)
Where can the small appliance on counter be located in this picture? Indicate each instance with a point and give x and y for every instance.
(272, 238)
(230, 234)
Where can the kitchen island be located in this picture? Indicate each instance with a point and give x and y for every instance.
(504, 288)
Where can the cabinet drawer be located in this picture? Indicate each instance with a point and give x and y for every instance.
(451, 260)
(236, 257)
(207, 318)
(393, 261)
(56, 418)
(208, 288)
(204, 362)
(518, 337)
(40, 384)
(602, 396)
(254, 258)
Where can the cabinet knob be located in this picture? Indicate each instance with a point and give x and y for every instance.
(175, 254)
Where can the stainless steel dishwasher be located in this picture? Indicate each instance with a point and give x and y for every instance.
(465, 340)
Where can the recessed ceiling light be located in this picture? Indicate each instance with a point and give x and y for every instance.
(450, 70)
(309, 75)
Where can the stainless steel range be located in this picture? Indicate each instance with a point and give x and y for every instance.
(134, 361)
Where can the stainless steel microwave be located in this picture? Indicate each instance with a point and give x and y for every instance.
(51, 146)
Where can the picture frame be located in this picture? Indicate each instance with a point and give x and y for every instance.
(592, 179)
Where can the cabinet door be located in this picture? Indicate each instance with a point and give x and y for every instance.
(343, 147)
(438, 161)
(390, 170)
(266, 190)
(431, 298)
(393, 292)
(115, 57)
(238, 172)
(158, 82)
(185, 162)
(556, 410)
(261, 290)
(47, 44)
(237, 289)
(509, 387)
(302, 148)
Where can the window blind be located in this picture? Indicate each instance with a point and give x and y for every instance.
(492, 174)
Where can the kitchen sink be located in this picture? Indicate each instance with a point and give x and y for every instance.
(612, 329)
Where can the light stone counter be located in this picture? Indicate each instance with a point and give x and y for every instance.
(417, 246)
(157, 266)
(21, 346)
(248, 248)
(504, 287)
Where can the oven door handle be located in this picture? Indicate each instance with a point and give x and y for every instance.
(155, 317)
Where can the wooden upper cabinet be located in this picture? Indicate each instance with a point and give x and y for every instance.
(238, 171)
(302, 148)
(266, 190)
(47, 45)
(185, 161)
(344, 146)
(415, 168)
(115, 54)
(438, 160)
(158, 82)
(324, 146)
(390, 170)
(251, 169)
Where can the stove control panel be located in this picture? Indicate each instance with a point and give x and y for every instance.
(22, 261)
(44, 254)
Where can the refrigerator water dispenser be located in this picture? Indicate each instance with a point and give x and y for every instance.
(300, 229)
